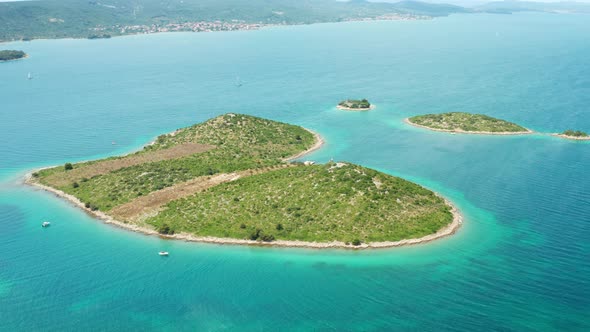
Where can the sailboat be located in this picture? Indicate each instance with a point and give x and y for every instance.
(29, 76)
(239, 82)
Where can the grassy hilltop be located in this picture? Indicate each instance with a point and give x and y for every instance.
(228, 143)
(466, 122)
(227, 177)
(312, 203)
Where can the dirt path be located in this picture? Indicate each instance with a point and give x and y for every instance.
(145, 206)
(103, 167)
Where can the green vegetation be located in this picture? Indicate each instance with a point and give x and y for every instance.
(575, 133)
(270, 201)
(165, 229)
(99, 36)
(243, 142)
(356, 104)
(466, 122)
(28, 20)
(8, 55)
(311, 203)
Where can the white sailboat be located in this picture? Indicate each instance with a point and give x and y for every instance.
(239, 82)
(30, 76)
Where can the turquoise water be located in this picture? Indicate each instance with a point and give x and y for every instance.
(521, 261)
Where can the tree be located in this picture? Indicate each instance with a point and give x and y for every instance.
(356, 242)
(267, 237)
(68, 166)
(255, 234)
(165, 229)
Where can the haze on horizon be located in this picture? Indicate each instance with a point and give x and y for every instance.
(469, 3)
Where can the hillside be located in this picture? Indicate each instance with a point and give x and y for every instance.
(224, 144)
(320, 203)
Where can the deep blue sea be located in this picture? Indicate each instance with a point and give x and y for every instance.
(520, 263)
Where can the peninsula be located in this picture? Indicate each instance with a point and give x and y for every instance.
(230, 180)
(7, 55)
(574, 134)
(466, 123)
(355, 105)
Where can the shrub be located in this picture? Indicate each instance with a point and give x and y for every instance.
(68, 166)
(243, 226)
(267, 237)
(35, 175)
(165, 229)
(75, 185)
(356, 242)
(279, 227)
(87, 205)
(255, 234)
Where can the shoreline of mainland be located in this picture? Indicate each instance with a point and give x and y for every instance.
(501, 133)
(381, 18)
(447, 230)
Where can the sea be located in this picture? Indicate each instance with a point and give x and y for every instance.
(520, 262)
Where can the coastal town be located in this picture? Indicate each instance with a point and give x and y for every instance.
(233, 25)
(201, 26)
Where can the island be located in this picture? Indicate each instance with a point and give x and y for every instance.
(467, 123)
(355, 105)
(7, 55)
(233, 180)
(99, 36)
(574, 134)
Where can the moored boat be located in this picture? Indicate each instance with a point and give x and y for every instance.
(163, 253)
(45, 224)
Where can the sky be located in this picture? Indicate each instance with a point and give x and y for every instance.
(456, 2)
(478, 2)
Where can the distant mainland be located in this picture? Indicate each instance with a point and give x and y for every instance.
(8, 55)
(231, 180)
(355, 105)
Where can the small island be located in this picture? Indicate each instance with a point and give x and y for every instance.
(574, 134)
(8, 55)
(355, 105)
(99, 36)
(231, 180)
(467, 123)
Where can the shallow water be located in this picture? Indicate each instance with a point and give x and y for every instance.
(519, 263)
